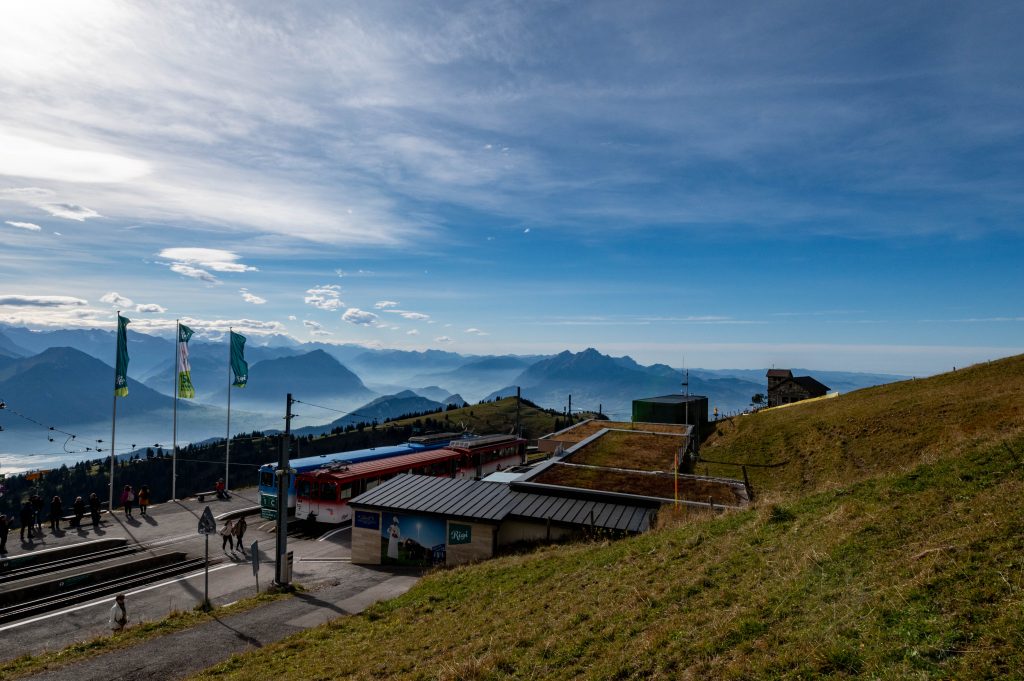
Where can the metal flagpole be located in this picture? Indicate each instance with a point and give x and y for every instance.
(174, 437)
(113, 429)
(227, 441)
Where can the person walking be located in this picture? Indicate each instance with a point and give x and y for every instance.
(27, 518)
(94, 510)
(239, 533)
(226, 532)
(79, 507)
(127, 498)
(5, 527)
(118, 614)
(56, 513)
(143, 499)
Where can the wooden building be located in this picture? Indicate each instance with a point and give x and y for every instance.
(418, 520)
(785, 388)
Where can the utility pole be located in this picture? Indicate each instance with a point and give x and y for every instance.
(283, 480)
(519, 426)
(570, 409)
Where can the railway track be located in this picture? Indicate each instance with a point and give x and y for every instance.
(66, 563)
(73, 596)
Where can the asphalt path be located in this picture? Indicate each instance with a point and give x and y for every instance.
(321, 564)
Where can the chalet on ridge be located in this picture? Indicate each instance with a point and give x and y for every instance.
(785, 388)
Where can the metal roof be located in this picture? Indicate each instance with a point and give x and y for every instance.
(673, 399)
(484, 501)
(394, 463)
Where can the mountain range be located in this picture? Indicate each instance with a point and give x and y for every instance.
(65, 376)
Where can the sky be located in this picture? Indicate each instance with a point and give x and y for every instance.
(738, 185)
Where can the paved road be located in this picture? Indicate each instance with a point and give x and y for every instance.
(321, 565)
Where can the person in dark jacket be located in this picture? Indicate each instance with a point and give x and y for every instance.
(94, 510)
(5, 527)
(37, 508)
(27, 518)
(56, 513)
(79, 507)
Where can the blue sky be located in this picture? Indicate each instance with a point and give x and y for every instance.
(788, 184)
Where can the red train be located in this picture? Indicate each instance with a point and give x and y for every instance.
(322, 494)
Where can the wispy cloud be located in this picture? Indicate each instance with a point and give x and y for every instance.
(415, 316)
(326, 297)
(116, 299)
(150, 308)
(251, 298)
(41, 301)
(30, 226)
(316, 329)
(196, 262)
(384, 304)
(412, 332)
(477, 332)
(354, 315)
(444, 340)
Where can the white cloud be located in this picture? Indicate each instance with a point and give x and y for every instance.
(354, 315)
(41, 301)
(251, 298)
(327, 297)
(27, 157)
(46, 200)
(214, 259)
(194, 273)
(477, 332)
(384, 304)
(415, 316)
(292, 318)
(412, 332)
(316, 329)
(116, 299)
(69, 211)
(443, 339)
(150, 308)
(30, 226)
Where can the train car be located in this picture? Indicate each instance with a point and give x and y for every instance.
(268, 483)
(322, 495)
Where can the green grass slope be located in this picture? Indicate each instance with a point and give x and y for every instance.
(907, 563)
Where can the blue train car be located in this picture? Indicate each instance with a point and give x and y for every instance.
(268, 483)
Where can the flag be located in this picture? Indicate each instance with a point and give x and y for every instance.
(239, 367)
(185, 388)
(121, 367)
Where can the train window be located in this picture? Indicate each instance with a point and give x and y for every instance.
(302, 488)
(370, 484)
(329, 491)
(346, 492)
(266, 479)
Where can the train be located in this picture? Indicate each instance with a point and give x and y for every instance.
(322, 494)
(267, 481)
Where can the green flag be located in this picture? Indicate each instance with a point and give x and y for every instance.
(185, 388)
(239, 367)
(121, 367)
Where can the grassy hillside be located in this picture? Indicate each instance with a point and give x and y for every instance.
(875, 430)
(890, 547)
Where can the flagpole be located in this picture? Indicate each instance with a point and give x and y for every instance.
(113, 425)
(227, 442)
(174, 436)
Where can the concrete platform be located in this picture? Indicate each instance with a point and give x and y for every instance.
(321, 565)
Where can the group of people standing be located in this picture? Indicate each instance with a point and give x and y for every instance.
(129, 498)
(32, 513)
